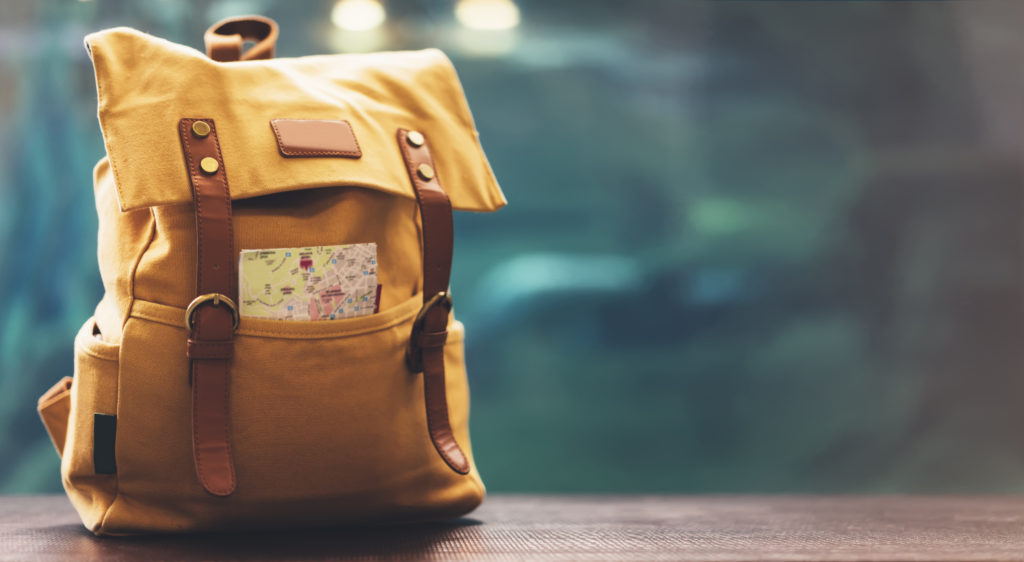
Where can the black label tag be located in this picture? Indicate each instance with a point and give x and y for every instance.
(104, 433)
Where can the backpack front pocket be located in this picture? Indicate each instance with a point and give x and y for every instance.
(327, 423)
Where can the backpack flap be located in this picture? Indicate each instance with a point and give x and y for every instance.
(146, 85)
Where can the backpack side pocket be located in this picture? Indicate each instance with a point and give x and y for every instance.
(88, 467)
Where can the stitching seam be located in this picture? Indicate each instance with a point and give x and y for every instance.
(226, 193)
(185, 123)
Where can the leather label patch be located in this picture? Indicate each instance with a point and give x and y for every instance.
(104, 433)
(310, 138)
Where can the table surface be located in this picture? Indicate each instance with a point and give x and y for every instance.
(581, 528)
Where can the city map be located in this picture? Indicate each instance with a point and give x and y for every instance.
(315, 283)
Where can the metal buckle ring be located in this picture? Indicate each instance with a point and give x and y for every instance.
(217, 299)
(413, 357)
(443, 297)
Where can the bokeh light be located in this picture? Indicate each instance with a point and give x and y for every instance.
(358, 15)
(487, 14)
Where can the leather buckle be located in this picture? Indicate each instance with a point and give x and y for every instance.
(216, 299)
(413, 355)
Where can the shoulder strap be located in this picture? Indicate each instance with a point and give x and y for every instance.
(212, 318)
(430, 330)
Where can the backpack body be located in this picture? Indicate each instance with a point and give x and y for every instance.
(316, 422)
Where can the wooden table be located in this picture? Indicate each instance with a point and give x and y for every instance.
(582, 528)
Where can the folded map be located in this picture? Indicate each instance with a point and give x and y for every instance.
(315, 283)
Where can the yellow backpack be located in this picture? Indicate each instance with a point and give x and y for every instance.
(186, 414)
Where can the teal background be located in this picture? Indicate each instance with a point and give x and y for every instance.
(750, 247)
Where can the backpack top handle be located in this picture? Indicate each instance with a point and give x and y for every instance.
(225, 39)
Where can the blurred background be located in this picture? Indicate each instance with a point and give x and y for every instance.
(750, 247)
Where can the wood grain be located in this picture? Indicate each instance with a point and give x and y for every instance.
(581, 528)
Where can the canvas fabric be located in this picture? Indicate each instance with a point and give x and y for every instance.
(328, 423)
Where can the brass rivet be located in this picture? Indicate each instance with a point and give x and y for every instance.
(209, 165)
(415, 138)
(425, 171)
(200, 129)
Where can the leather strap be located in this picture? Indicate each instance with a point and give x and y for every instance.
(224, 39)
(428, 337)
(210, 342)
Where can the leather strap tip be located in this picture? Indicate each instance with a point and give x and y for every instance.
(220, 492)
(454, 457)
